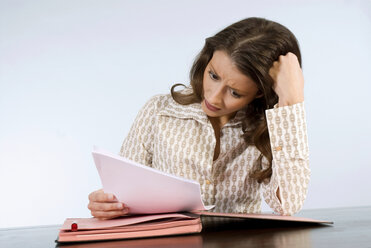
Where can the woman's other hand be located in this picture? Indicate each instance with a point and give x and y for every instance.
(288, 80)
(105, 206)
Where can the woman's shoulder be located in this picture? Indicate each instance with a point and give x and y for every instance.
(165, 105)
(160, 101)
(166, 101)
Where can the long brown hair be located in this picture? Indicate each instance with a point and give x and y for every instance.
(253, 45)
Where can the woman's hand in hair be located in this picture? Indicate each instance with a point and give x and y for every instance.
(105, 206)
(288, 80)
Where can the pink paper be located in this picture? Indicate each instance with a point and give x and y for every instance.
(94, 223)
(146, 190)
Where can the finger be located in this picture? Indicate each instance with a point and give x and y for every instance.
(98, 206)
(291, 55)
(108, 215)
(272, 72)
(100, 196)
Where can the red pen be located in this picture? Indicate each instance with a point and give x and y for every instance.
(74, 226)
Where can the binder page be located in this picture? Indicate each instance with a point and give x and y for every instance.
(146, 190)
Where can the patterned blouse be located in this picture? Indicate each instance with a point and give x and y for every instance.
(179, 139)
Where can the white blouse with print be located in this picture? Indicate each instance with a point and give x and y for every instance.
(179, 139)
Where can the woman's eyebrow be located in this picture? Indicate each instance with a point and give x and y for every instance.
(238, 90)
(212, 67)
(242, 92)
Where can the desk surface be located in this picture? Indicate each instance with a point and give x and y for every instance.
(352, 228)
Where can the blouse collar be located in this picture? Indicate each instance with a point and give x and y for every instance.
(194, 111)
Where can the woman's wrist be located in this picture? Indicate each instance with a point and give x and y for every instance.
(289, 101)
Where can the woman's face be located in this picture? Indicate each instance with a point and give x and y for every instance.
(225, 89)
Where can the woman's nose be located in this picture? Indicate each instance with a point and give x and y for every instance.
(216, 96)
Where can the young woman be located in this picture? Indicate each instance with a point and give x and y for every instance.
(239, 129)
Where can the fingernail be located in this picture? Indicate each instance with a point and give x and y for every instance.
(110, 197)
(119, 206)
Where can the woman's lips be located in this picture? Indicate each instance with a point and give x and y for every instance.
(211, 107)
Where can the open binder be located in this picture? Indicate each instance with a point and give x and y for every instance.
(154, 225)
(168, 205)
(140, 226)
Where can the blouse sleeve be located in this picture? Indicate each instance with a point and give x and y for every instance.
(138, 144)
(290, 165)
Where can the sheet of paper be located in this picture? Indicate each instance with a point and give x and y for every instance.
(146, 190)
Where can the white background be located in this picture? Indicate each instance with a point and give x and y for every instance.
(75, 73)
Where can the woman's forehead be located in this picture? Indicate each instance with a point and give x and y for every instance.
(223, 65)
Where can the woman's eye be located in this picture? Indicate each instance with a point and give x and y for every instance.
(213, 76)
(235, 94)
